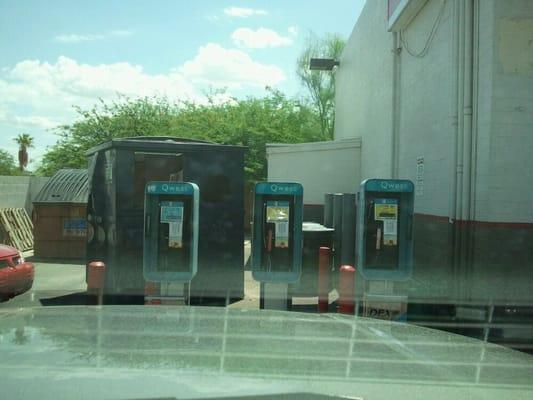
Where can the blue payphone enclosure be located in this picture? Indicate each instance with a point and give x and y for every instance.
(389, 194)
(161, 205)
(277, 195)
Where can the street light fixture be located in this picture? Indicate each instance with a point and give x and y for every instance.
(323, 64)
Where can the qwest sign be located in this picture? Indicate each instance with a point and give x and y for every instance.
(169, 188)
(388, 185)
(279, 188)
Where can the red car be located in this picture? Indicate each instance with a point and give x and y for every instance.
(16, 275)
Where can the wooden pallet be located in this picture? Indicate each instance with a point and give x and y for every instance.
(17, 228)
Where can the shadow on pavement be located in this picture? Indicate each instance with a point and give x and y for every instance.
(70, 261)
(73, 299)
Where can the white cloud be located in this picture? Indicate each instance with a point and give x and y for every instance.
(242, 12)
(76, 38)
(120, 32)
(38, 84)
(36, 95)
(260, 38)
(231, 68)
(293, 30)
(27, 121)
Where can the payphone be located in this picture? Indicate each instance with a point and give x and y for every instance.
(170, 250)
(277, 240)
(277, 232)
(384, 238)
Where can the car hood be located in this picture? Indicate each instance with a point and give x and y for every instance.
(122, 352)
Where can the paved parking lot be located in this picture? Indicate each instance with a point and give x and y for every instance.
(63, 283)
(52, 280)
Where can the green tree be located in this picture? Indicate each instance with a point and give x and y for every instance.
(321, 84)
(251, 122)
(105, 121)
(25, 141)
(7, 163)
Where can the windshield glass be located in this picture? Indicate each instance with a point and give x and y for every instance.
(334, 193)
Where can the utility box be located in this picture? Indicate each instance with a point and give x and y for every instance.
(119, 171)
(385, 229)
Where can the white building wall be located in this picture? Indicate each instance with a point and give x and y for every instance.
(321, 167)
(510, 171)
(364, 90)
(364, 100)
(503, 178)
(426, 128)
(484, 109)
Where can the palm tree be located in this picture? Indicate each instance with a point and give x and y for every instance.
(25, 141)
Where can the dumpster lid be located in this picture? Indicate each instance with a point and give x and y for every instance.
(315, 227)
(66, 186)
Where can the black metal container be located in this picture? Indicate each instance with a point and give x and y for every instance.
(118, 173)
(347, 256)
(328, 210)
(337, 226)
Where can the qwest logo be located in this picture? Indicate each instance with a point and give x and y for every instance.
(283, 189)
(388, 185)
(173, 188)
(167, 188)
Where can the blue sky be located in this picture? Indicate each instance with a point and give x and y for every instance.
(63, 53)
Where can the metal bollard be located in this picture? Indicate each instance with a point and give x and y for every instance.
(96, 279)
(346, 290)
(324, 258)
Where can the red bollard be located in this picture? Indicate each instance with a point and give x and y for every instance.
(96, 279)
(347, 290)
(324, 254)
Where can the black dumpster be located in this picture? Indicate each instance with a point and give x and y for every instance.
(315, 236)
(118, 173)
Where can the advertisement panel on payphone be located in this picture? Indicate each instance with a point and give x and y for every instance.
(382, 232)
(173, 247)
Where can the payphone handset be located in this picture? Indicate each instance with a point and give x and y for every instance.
(170, 231)
(384, 229)
(277, 232)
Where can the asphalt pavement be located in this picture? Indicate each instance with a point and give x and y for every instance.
(52, 280)
(62, 282)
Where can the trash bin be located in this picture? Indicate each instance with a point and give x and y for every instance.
(314, 237)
